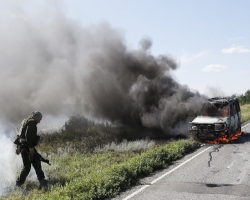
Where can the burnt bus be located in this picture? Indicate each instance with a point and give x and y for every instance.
(218, 117)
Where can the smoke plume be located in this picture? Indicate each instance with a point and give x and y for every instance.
(50, 63)
(48, 66)
(10, 163)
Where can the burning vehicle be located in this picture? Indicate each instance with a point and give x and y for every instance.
(219, 118)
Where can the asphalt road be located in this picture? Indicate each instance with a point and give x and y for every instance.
(219, 171)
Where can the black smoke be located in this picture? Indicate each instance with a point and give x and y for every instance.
(48, 66)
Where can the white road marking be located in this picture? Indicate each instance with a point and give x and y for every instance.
(169, 172)
(245, 125)
(162, 176)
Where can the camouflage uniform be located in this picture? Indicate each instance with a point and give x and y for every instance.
(28, 139)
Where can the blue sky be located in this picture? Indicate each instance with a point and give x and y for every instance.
(209, 39)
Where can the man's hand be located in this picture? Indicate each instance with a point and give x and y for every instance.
(17, 151)
(32, 151)
(31, 156)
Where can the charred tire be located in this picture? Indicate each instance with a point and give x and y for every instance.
(239, 127)
(196, 138)
(229, 133)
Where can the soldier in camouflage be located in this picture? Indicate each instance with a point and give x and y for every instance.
(28, 139)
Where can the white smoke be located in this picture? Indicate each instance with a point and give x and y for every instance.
(9, 164)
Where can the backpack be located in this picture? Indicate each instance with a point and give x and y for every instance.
(20, 140)
(24, 123)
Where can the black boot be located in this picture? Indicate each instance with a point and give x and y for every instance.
(43, 183)
(18, 185)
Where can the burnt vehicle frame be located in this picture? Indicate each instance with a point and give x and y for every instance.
(218, 117)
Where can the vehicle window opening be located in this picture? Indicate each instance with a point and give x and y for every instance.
(214, 109)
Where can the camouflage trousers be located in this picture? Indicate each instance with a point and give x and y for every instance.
(36, 163)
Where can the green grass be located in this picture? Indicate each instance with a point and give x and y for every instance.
(245, 112)
(103, 175)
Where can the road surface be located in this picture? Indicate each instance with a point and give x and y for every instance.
(215, 171)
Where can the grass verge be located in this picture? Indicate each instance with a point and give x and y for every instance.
(245, 112)
(104, 175)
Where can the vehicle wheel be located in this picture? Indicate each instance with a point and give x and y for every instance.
(229, 133)
(239, 128)
(196, 138)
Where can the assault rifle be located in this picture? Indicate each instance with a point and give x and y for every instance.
(42, 159)
(37, 155)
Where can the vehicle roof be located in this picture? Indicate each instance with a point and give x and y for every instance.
(221, 99)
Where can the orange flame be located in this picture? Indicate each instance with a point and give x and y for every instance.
(224, 138)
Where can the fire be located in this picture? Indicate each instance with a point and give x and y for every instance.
(224, 138)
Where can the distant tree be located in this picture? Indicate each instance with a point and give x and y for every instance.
(247, 96)
(244, 98)
(77, 122)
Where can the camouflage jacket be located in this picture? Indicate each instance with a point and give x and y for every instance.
(28, 132)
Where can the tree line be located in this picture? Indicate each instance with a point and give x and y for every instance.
(244, 98)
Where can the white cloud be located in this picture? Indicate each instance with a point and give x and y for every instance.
(186, 57)
(236, 49)
(214, 68)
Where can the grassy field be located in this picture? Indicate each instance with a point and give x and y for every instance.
(87, 163)
(245, 111)
(102, 175)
